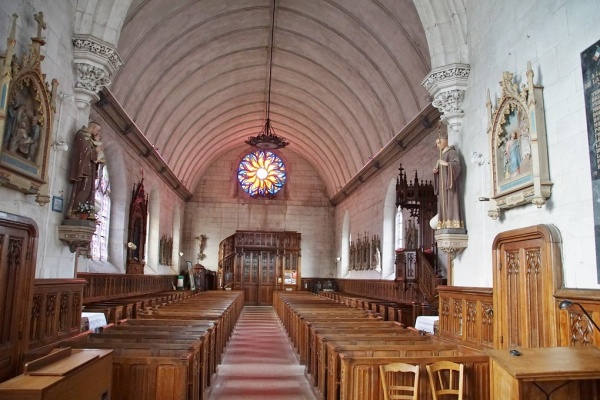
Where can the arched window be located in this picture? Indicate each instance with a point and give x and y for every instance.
(99, 244)
(399, 229)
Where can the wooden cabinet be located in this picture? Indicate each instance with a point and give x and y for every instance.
(559, 373)
(65, 374)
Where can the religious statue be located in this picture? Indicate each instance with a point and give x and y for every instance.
(87, 155)
(446, 181)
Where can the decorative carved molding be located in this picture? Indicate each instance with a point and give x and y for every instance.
(95, 62)
(447, 85)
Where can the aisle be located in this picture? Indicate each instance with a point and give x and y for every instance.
(259, 362)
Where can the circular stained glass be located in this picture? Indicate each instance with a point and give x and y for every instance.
(261, 174)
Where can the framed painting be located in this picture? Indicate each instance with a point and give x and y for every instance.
(57, 203)
(518, 150)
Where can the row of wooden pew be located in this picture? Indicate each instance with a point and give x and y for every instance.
(404, 313)
(343, 346)
(171, 349)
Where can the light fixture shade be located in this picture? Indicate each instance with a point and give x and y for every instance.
(267, 139)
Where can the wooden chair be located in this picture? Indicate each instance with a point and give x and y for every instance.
(392, 392)
(443, 379)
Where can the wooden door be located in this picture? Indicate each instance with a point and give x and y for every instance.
(526, 274)
(267, 278)
(250, 268)
(17, 272)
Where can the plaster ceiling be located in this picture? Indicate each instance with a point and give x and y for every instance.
(346, 77)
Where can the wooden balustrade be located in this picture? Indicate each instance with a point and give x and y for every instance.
(102, 287)
(466, 314)
(56, 311)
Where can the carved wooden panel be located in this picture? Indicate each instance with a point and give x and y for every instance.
(575, 328)
(527, 272)
(466, 314)
(56, 311)
(18, 240)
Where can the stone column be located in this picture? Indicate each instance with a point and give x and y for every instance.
(96, 62)
(447, 85)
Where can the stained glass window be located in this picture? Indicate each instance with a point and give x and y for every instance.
(99, 244)
(261, 174)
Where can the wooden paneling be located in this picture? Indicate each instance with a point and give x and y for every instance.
(574, 328)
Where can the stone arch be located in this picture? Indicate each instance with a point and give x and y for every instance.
(445, 25)
(102, 19)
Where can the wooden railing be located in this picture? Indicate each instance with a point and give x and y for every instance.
(101, 287)
(467, 315)
(56, 311)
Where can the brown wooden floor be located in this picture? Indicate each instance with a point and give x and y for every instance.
(259, 362)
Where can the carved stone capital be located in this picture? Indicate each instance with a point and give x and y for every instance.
(95, 62)
(447, 85)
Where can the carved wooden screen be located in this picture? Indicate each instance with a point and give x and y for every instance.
(526, 275)
(18, 241)
(260, 263)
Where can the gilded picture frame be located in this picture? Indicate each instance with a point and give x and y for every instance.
(518, 147)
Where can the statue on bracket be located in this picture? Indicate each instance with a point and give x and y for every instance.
(447, 173)
(88, 154)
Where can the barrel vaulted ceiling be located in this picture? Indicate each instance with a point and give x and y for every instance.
(346, 77)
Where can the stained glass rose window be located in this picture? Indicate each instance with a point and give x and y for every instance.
(261, 174)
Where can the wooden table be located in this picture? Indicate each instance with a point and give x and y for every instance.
(551, 373)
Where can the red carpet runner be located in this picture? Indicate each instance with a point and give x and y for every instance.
(259, 362)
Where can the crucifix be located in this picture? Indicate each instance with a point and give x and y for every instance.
(39, 18)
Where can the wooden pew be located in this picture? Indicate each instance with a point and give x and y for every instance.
(331, 375)
(174, 345)
(359, 376)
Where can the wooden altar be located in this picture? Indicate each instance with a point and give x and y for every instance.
(260, 262)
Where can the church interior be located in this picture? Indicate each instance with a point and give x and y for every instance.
(284, 199)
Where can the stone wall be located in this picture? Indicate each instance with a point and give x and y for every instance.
(219, 208)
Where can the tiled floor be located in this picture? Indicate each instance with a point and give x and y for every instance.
(259, 362)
